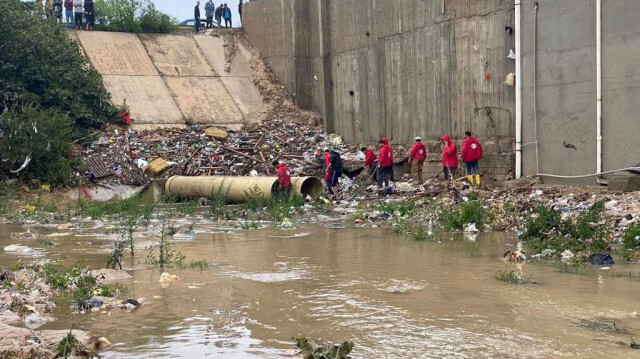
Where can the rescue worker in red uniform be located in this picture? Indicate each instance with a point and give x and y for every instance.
(449, 157)
(284, 177)
(471, 153)
(416, 158)
(385, 163)
(327, 171)
(370, 163)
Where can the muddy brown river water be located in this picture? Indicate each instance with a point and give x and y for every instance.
(394, 297)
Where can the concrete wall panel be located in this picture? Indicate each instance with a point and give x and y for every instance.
(204, 100)
(114, 53)
(147, 96)
(620, 90)
(565, 81)
(245, 95)
(176, 55)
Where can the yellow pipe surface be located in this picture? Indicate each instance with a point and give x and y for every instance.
(237, 189)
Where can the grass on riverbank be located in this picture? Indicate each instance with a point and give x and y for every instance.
(546, 229)
(458, 217)
(630, 248)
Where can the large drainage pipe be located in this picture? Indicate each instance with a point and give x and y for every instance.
(238, 189)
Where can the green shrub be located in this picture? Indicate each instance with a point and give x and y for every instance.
(469, 212)
(630, 242)
(41, 137)
(132, 16)
(404, 208)
(41, 65)
(547, 230)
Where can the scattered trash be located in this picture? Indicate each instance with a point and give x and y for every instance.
(567, 256)
(166, 278)
(156, 167)
(18, 248)
(601, 259)
(286, 223)
(471, 228)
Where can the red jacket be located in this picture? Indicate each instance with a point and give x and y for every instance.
(471, 150)
(418, 152)
(284, 175)
(386, 154)
(449, 152)
(327, 166)
(369, 158)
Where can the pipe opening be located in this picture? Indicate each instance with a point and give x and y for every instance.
(311, 186)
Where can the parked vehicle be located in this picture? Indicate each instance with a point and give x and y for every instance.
(203, 22)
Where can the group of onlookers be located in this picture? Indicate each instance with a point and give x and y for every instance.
(222, 12)
(74, 11)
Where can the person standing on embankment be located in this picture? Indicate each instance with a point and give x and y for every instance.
(68, 13)
(218, 14)
(385, 163)
(471, 154)
(209, 9)
(336, 172)
(416, 159)
(78, 11)
(370, 163)
(227, 16)
(449, 157)
(196, 16)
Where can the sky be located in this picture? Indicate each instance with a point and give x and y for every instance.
(183, 9)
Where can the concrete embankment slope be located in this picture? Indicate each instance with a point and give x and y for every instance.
(174, 80)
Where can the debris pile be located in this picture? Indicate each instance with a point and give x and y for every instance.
(135, 157)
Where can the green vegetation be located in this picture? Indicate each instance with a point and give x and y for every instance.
(128, 210)
(254, 198)
(630, 242)
(513, 276)
(406, 227)
(312, 350)
(161, 255)
(546, 229)
(70, 346)
(280, 205)
(50, 95)
(469, 212)
(218, 201)
(8, 194)
(132, 16)
(76, 278)
(115, 257)
(403, 209)
(201, 265)
(39, 137)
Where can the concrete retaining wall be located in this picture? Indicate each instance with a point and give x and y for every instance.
(565, 78)
(396, 68)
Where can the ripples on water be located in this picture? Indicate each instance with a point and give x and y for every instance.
(395, 298)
